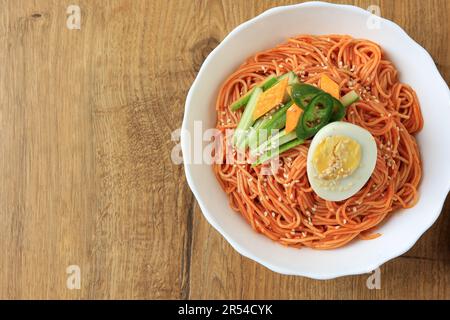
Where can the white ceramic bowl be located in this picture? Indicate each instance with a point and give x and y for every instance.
(416, 68)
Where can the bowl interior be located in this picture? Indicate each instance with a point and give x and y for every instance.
(416, 68)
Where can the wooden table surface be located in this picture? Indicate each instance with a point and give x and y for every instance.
(86, 176)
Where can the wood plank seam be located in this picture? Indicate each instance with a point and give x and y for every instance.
(186, 283)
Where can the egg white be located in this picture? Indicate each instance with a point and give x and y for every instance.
(350, 185)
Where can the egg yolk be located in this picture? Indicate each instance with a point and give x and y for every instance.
(336, 157)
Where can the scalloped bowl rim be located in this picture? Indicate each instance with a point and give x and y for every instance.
(193, 183)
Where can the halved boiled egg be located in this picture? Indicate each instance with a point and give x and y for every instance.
(341, 158)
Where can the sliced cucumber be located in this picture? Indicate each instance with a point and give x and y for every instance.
(261, 121)
(239, 137)
(269, 82)
(270, 154)
(284, 76)
(349, 98)
(276, 140)
(242, 101)
(291, 76)
(293, 79)
(274, 122)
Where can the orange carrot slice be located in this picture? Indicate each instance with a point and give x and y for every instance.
(329, 86)
(270, 99)
(292, 115)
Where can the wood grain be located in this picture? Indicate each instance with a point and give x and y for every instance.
(86, 176)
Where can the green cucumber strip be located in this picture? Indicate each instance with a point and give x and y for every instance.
(277, 140)
(276, 121)
(254, 132)
(277, 118)
(275, 152)
(242, 101)
(260, 122)
(284, 76)
(269, 82)
(292, 79)
(349, 98)
(246, 121)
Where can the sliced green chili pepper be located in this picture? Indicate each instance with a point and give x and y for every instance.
(338, 110)
(316, 115)
(303, 93)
